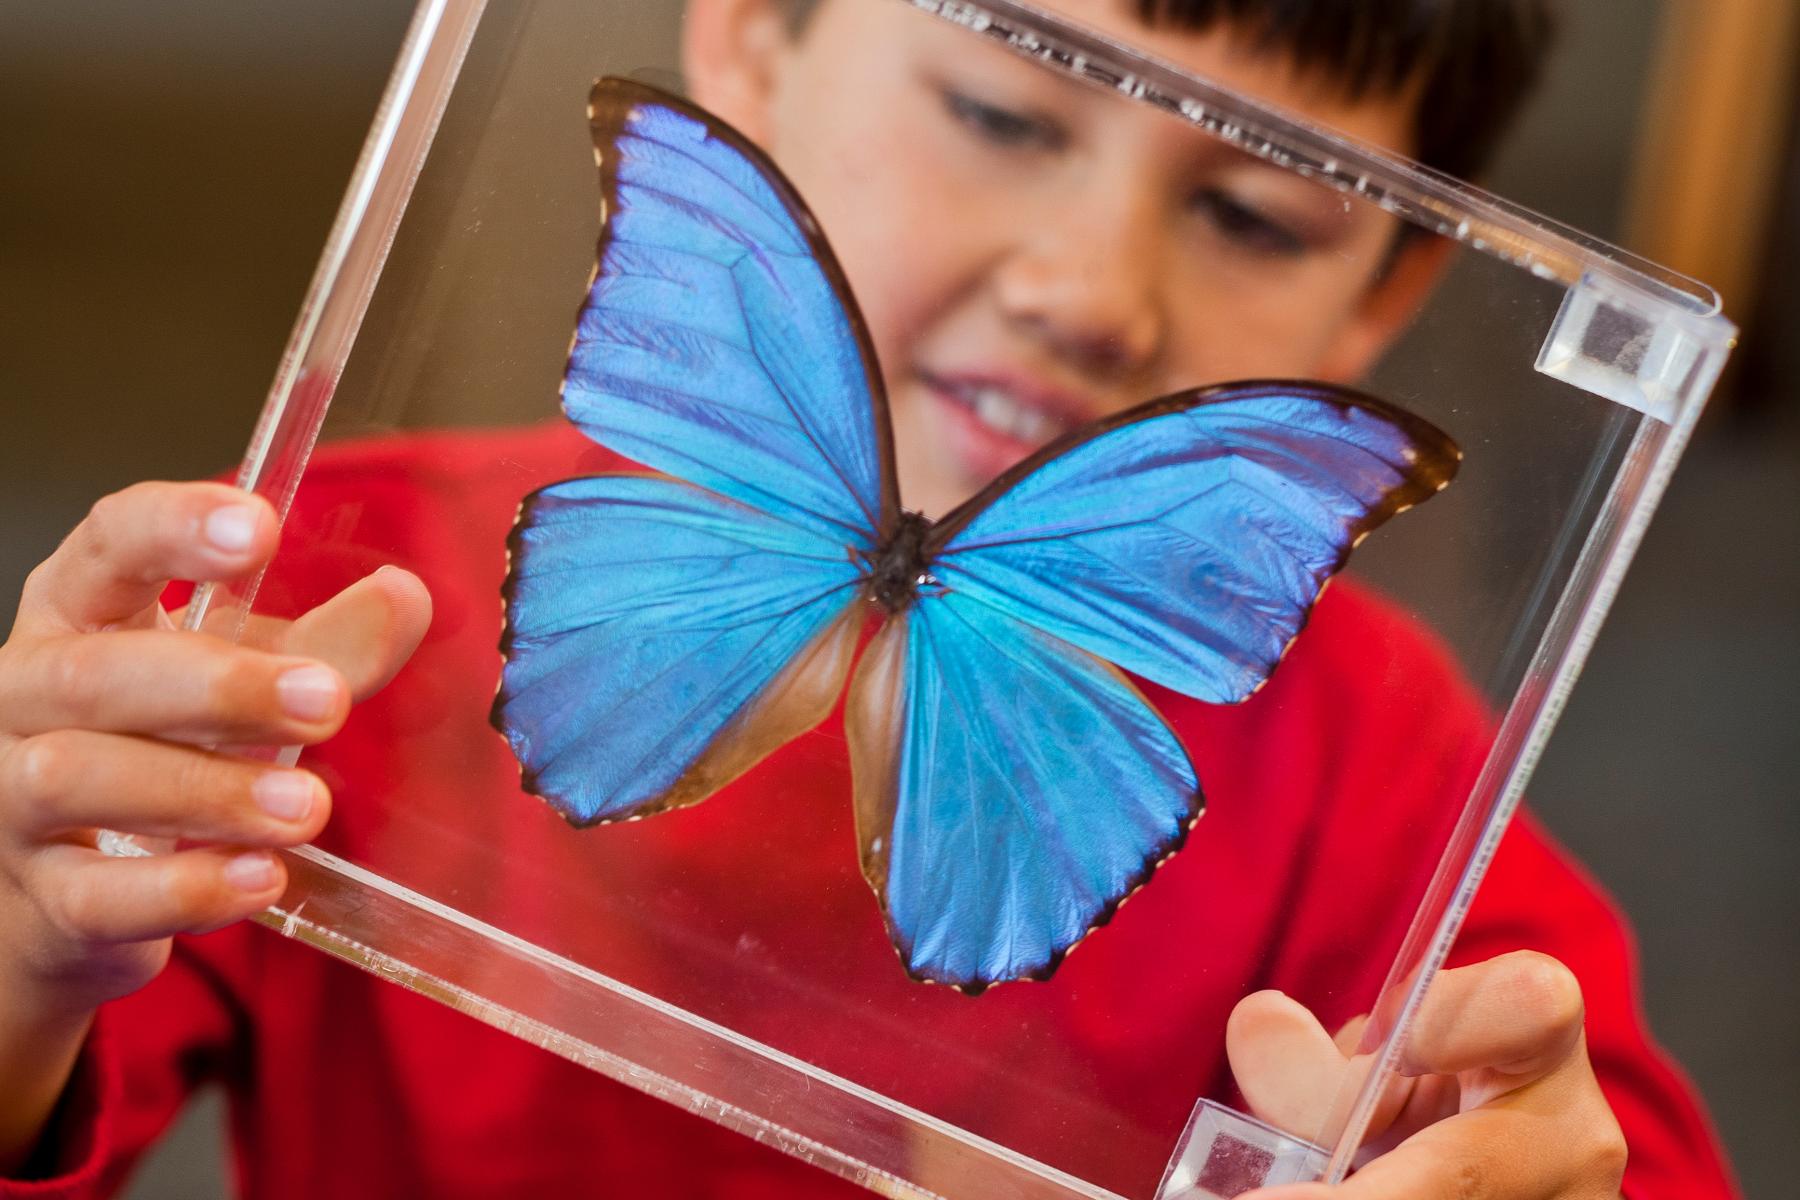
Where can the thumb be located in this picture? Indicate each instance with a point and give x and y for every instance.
(1516, 1016)
(366, 632)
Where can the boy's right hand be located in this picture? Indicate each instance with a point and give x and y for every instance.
(106, 713)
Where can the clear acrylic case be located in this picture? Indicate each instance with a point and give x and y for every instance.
(729, 957)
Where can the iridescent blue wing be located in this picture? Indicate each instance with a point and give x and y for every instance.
(1186, 540)
(1012, 787)
(719, 342)
(662, 636)
(661, 639)
(1011, 790)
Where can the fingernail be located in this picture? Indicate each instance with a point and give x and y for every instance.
(284, 795)
(308, 693)
(231, 529)
(252, 872)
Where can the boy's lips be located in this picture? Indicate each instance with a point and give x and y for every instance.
(995, 420)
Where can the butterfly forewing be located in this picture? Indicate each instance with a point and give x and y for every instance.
(1187, 540)
(718, 342)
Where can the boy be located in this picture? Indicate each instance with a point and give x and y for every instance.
(1083, 293)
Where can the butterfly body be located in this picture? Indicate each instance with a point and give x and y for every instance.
(900, 565)
(665, 631)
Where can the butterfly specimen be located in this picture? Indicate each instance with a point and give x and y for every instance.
(668, 629)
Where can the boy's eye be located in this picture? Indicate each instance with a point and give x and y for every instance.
(1002, 126)
(1246, 226)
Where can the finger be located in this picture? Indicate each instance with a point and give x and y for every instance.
(1296, 1076)
(97, 899)
(117, 561)
(366, 632)
(73, 779)
(1519, 1014)
(1283, 1061)
(184, 686)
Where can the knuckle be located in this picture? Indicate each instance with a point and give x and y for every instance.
(117, 520)
(151, 493)
(210, 791)
(81, 909)
(194, 777)
(38, 584)
(1549, 988)
(39, 769)
(102, 514)
(236, 685)
(190, 894)
(100, 531)
(1469, 1180)
(76, 673)
(1609, 1155)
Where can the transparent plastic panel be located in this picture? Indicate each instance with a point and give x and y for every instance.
(1041, 229)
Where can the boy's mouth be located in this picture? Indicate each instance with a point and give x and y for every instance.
(994, 422)
(1001, 410)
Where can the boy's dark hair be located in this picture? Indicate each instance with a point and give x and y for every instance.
(1473, 62)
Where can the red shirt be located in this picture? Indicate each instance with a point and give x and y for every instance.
(1329, 794)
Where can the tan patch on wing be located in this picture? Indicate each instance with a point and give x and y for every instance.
(793, 702)
(874, 719)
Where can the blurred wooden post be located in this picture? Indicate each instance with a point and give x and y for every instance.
(1712, 146)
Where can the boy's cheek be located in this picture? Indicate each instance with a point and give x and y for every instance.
(913, 240)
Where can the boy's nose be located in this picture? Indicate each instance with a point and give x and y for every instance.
(1088, 291)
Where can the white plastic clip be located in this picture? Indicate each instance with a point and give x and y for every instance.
(1623, 347)
(1223, 1153)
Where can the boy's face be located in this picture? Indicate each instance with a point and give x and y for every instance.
(1031, 253)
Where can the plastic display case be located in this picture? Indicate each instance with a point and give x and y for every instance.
(730, 957)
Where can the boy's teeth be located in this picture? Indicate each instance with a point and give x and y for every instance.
(1006, 416)
(994, 409)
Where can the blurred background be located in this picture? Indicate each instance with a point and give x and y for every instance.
(168, 173)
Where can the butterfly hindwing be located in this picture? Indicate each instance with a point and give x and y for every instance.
(1186, 540)
(718, 342)
(1010, 790)
(661, 639)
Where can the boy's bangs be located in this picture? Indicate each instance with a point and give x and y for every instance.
(1472, 61)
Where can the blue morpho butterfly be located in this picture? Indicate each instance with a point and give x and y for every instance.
(666, 631)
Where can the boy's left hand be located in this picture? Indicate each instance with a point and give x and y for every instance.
(1495, 1097)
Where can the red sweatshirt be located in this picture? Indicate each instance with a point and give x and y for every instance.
(1329, 794)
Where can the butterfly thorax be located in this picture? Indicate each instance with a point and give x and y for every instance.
(899, 566)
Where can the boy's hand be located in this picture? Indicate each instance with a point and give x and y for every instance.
(106, 713)
(1496, 1098)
